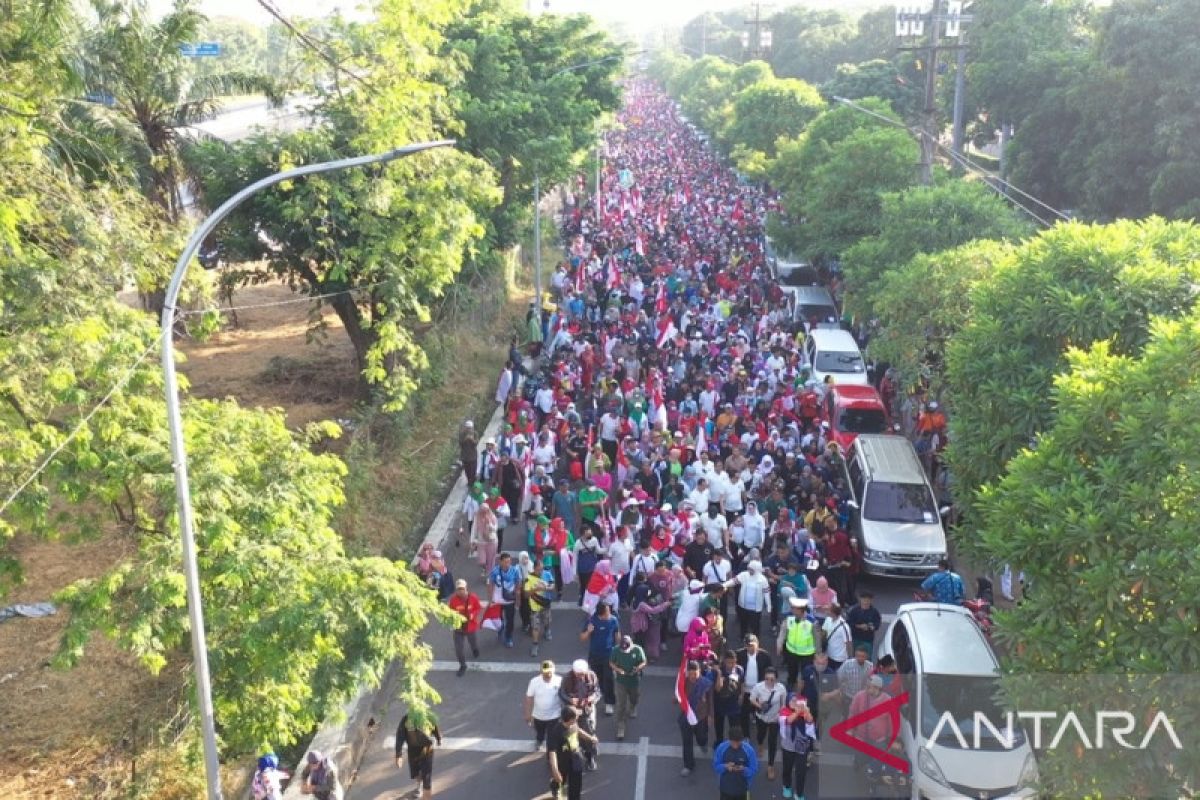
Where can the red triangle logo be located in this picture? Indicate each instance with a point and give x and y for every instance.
(841, 732)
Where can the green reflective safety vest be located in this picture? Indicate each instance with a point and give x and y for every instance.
(800, 639)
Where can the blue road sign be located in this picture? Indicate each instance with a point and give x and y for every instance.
(201, 49)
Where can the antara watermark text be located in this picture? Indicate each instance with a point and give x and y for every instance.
(1119, 727)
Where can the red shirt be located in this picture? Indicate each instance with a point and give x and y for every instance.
(469, 609)
(837, 549)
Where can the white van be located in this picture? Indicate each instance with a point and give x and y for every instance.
(833, 351)
(950, 673)
(894, 514)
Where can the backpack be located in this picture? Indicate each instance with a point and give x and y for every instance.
(588, 558)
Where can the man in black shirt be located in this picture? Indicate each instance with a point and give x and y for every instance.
(564, 754)
(697, 554)
(648, 479)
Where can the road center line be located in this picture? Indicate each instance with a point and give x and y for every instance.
(643, 760)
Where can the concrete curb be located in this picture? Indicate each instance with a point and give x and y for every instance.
(345, 737)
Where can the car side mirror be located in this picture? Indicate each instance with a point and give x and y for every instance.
(944, 510)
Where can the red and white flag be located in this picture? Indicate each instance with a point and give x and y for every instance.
(701, 436)
(639, 246)
(660, 301)
(681, 697)
(666, 331)
(614, 274)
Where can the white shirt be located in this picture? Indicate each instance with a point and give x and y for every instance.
(755, 592)
(837, 638)
(619, 553)
(733, 494)
(716, 573)
(715, 527)
(609, 425)
(546, 705)
(770, 698)
(699, 500)
(708, 402)
(718, 485)
(544, 399)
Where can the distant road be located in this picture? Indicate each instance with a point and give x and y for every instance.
(245, 119)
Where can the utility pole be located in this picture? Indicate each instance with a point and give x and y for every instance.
(537, 245)
(759, 41)
(704, 34)
(960, 90)
(911, 21)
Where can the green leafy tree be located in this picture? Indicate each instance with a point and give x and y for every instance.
(529, 98)
(714, 34)
(926, 219)
(921, 303)
(807, 43)
(1101, 516)
(1070, 286)
(766, 111)
(878, 78)
(399, 235)
(704, 90)
(831, 178)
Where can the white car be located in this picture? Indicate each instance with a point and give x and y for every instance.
(834, 352)
(950, 673)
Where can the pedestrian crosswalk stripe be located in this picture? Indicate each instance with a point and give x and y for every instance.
(640, 749)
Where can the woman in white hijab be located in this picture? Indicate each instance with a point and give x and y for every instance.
(755, 527)
(762, 473)
(753, 597)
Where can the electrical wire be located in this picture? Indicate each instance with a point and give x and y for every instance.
(116, 387)
(310, 43)
(967, 164)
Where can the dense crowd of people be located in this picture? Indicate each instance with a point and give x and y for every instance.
(663, 454)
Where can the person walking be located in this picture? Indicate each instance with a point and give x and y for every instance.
(768, 698)
(543, 703)
(835, 633)
(418, 730)
(602, 632)
(727, 698)
(485, 536)
(468, 451)
(736, 764)
(566, 753)
(505, 580)
(320, 777)
(864, 621)
(797, 739)
(753, 598)
(944, 586)
(754, 662)
(797, 642)
(580, 690)
(698, 689)
(539, 588)
(628, 661)
(267, 783)
(466, 604)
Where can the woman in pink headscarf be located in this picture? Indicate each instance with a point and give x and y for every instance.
(696, 644)
(423, 563)
(602, 587)
(822, 598)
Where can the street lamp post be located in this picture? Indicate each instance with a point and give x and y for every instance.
(175, 428)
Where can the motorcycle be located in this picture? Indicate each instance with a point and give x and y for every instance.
(981, 606)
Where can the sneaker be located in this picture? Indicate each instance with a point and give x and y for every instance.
(633, 713)
(538, 745)
(462, 670)
(704, 749)
(770, 772)
(683, 773)
(787, 792)
(508, 642)
(548, 637)
(592, 766)
(608, 710)
(533, 651)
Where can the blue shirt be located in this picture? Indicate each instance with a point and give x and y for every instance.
(735, 782)
(602, 639)
(946, 587)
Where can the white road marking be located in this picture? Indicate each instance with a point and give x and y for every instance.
(643, 761)
(643, 751)
(531, 668)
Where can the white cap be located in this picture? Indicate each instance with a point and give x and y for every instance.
(695, 584)
(666, 507)
(579, 665)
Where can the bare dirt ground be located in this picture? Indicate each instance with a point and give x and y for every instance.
(268, 360)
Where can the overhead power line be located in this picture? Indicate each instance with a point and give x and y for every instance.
(311, 43)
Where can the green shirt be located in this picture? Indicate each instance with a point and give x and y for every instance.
(628, 662)
(588, 494)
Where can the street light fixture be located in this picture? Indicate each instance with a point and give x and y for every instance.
(175, 428)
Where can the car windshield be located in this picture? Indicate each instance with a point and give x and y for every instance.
(862, 420)
(802, 275)
(829, 361)
(818, 313)
(970, 702)
(900, 502)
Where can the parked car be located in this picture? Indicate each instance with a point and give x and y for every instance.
(893, 511)
(851, 409)
(950, 673)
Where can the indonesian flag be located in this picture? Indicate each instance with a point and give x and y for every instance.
(666, 331)
(579, 276)
(661, 221)
(681, 693)
(660, 301)
(614, 275)
(492, 618)
(701, 437)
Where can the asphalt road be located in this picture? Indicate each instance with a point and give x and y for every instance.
(487, 748)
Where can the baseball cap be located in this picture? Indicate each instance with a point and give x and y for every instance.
(460, 584)
(548, 666)
(579, 665)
